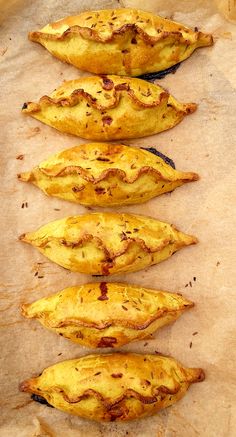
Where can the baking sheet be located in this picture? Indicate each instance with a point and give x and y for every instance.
(204, 142)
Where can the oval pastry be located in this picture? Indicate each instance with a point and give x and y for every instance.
(107, 243)
(102, 174)
(120, 41)
(113, 386)
(106, 314)
(109, 108)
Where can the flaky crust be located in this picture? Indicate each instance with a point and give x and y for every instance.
(106, 314)
(107, 243)
(113, 386)
(103, 174)
(122, 41)
(109, 108)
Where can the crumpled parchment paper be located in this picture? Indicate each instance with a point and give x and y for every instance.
(204, 142)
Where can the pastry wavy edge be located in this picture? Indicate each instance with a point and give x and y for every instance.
(74, 98)
(105, 174)
(111, 256)
(198, 376)
(205, 39)
(114, 322)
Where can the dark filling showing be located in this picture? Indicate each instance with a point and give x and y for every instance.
(41, 400)
(150, 77)
(107, 342)
(164, 157)
(104, 290)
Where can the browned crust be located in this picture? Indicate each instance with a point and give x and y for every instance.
(133, 29)
(77, 94)
(199, 377)
(24, 386)
(22, 237)
(121, 174)
(114, 322)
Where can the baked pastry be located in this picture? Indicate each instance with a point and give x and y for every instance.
(120, 41)
(109, 108)
(107, 243)
(103, 174)
(106, 314)
(113, 386)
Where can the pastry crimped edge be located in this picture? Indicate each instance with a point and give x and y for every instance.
(113, 322)
(190, 375)
(91, 34)
(77, 94)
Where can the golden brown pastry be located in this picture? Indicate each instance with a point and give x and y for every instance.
(106, 314)
(107, 243)
(113, 386)
(103, 174)
(120, 41)
(109, 108)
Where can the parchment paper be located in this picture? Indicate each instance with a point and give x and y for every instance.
(204, 142)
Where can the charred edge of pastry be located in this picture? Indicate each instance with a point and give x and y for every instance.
(165, 158)
(189, 108)
(151, 77)
(114, 322)
(22, 237)
(41, 400)
(75, 96)
(199, 376)
(92, 34)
